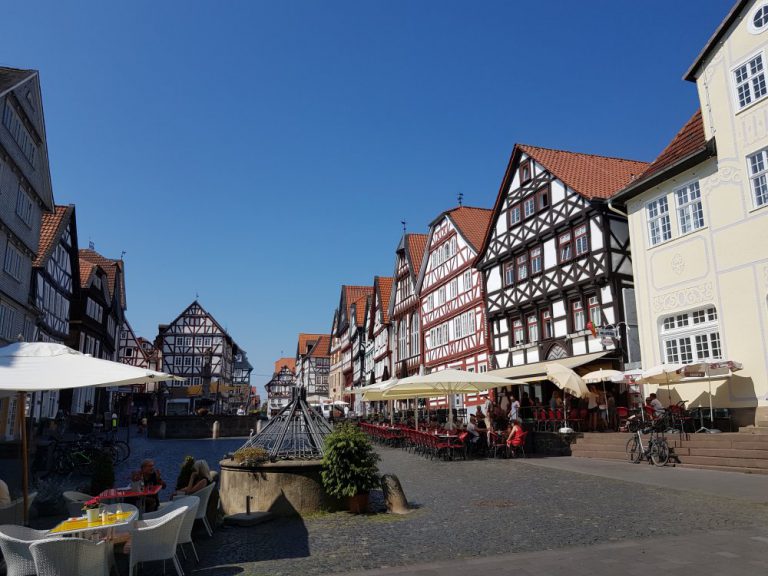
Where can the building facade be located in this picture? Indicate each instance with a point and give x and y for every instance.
(404, 305)
(699, 224)
(25, 195)
(347, 321)
(450, 289)
(556, 263)
(313, 361)
(380, 328)
(280, 388)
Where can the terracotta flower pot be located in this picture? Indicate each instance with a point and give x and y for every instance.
(358, 504)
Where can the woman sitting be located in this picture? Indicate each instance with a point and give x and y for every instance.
(516, 437)
(200, 478)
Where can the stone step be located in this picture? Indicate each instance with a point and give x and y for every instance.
(720, 453)
(757, 431)
(601, 455)
(724, 461)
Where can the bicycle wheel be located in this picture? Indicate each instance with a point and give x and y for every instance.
(660, 452)
(123, 450)
(634, 449)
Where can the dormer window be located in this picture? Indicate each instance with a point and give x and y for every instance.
(525, 171)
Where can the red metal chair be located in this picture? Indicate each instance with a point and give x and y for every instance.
(517, 445)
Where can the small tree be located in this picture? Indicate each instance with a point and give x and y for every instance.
(349, 463)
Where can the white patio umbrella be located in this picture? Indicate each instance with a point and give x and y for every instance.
(566, 379)
(42, 366)
(373, 392)
(601, 377)
(710, 369)
(663, 374)
(443, 383)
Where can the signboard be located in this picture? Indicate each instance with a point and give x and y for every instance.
(607, 332)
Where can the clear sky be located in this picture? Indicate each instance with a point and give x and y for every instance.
(261, 154)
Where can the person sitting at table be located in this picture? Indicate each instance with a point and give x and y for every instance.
(658, 407)
(474, 435)
(200, 478)
(150, 476)
(516, 435)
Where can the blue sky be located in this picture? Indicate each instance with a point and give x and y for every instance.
(262, 154)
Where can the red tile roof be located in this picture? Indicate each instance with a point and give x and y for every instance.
(85, 272)
(589, 175)
(51, 229)
(689, 140)
(290, 363)
(353, 294)
(385, 293)
(360, 309)
(473, 223)
(416, 244)
(323, 347)
(305, 340)
(111, 267)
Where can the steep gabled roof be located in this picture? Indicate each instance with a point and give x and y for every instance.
(590, 175)
(416, 244)
(113, 269)
(360, 305)
(165, 327)
(384, 284)
(86, 269)
(286, 362)
(306, 341)
(687, 148)
(353, 294)
(472, 223)
(52, 227)
(322, 348)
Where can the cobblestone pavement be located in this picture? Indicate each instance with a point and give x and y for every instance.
(471, 509)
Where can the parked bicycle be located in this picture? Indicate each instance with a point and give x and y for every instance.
(656, 451)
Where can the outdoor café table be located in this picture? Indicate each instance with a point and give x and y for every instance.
(120, 494)
(81, 525)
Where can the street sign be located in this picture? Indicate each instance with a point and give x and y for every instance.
(607, 332)
(607, 341)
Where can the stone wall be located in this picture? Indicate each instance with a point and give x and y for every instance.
(200, 426)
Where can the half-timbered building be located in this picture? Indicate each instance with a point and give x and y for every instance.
(55, 285)
(313, 363)
(451, 294)
(241, 382)
(556, 262)
(196, 347)
(380, 333)
(95, 320)
(25, 194)
(347, 321)
(404, 305)
(280, 388)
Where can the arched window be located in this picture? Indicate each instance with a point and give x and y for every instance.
(415, 334)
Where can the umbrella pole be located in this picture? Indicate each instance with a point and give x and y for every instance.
(24, 453)
(711, 412)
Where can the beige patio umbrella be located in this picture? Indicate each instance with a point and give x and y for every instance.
(41, 366)
(566, 379)
(444, 383)
(663, 374)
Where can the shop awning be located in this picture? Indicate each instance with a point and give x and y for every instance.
(538, 370)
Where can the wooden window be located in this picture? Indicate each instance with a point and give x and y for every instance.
(542, 197)
(536, 261)
(529, 206)
(577, 310)
(595, 311)
(13, 262)
(547, 327)
(581, 240)
(750, 81)
(509, 273)
(518, 334)
(690, 214)
(187, 360)
(24, 206)
(415, 334)
(522, 267)
(466, 280)
(514, 214)
(758, 175)
(565, 246)
(533, 329)
(657, 215)
(525, 171)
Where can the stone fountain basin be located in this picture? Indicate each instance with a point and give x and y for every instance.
(284, 488)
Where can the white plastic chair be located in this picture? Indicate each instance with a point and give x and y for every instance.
(202, 509)
(75, 501)
(70, 557)
(14, 543)
(192, 503)
(13, 513)
(156, 539)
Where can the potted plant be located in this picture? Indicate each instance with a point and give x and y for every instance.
(91, 509)
(349, 466)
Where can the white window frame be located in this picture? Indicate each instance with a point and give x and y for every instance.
(13, 261)
(690, 211)
(578, 315)
(749, 81)
(581, 239)
(518, 332)
(466, 280)
(761, 7)
(758, 178)
(656, 217)
(24, 206)
(691, 336)
(533, 328)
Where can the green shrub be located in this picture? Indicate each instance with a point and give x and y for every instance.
(349, 463)
(185, 473)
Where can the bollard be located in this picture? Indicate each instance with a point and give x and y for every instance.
(248, 505)
(162, 431)
(258, 426)
(216, 427)
(394, 495)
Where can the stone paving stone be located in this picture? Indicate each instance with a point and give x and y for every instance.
(465, 509)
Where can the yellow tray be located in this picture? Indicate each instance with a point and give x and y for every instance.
(83, 524)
